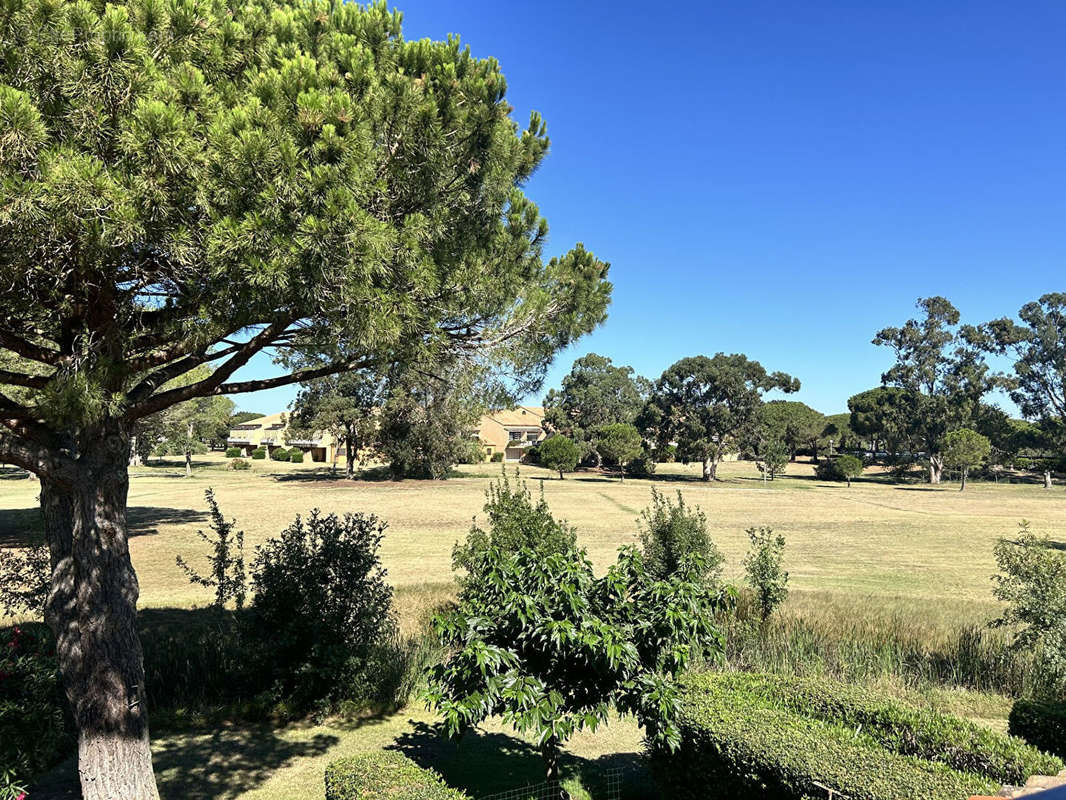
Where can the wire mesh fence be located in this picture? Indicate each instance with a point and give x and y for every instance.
(553, 790)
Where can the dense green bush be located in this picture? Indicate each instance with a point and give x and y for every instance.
(1042, 724)
(35, 733)
(239, 464)
(746, 747)
(259, 453)
(763, 571)
(841, 468)
(321, 605)
(496, 457)
(233, 452)
(669, 532)
(385, 775)
(641, 467)
(900, 728)
(296, 456)
(279, 454)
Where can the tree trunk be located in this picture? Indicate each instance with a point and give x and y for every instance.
(561, 475)
(349, 457)
(849, 480)
(814, 454)
(1047, 479)
(963, 486)
(549, 751)
(710, 469)
(188, 453)
(936, 468)
(92, 611)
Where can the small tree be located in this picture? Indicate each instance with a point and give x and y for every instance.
(672, 532)
(227, 558)
(964, 449)
(542, 642)
(841, 468)
(762, 569)
(559, 453)
(618, 444)
(1032, 582)
(773, 458)
(515, 521)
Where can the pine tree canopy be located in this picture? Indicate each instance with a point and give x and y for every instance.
(192, 182)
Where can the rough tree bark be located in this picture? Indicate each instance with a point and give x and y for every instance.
(92, 611)
(1047, 479)
(349, 456)
(963, 486)
(936, 468)
(710, 468)
(549, 751)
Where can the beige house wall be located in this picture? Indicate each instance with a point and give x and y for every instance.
(272, 431)
(511, 432)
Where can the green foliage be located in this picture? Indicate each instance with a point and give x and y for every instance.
(559, 453)
(516, 521)
(25, 579)
(672, 532)
(843, 736)
(883, 415)
(321, 603)
(1041, 723)
(227, 576)
(279, 454)
(1032, 583)
(841, 468)
(593, 394)
(965, 449)
(233, 452)
(496, 458)
(384, 775)
(709, 406)
(773, 458)
(239, 464)
(838, 429)
(259, 453)
(296, 456)
(346, 406)
(542, 642)
(763, 571)
(794, 424)
(642, 466)
(34, 730)
(240, 417)
(618, 443)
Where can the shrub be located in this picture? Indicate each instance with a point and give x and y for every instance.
(296, 456)
(385, 775)
(279, 454)
(841, 468)
(618, 443)
(1042, 724)
(748, 748)
(321, 604)
(642, 466)
(35, 733)
(515, 521)
(558, 453)
(773, 458)
(497, 457)
(895, 726)
(233, 452)
(762, 569)
(226, 559)
(259, 453)
(239, 464)
(669, 532)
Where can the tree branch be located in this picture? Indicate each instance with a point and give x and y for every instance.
(297, 377)
(34, 352)
(24, 380)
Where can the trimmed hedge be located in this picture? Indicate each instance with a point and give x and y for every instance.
(296, 456)
(279, 454)
(259, 453)
(1042, 724)
(233, 452)
(741, 744)
(903, 729)
(385, 775)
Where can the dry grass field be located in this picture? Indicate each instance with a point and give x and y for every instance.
(876, 550)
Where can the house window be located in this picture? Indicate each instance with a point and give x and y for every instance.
(531, 436)
(516, 436)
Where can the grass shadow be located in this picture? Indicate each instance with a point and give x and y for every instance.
(22, 527)
(483, 763)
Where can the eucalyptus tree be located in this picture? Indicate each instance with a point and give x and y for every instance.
(941, 368)
(708, 406)
(190, 184)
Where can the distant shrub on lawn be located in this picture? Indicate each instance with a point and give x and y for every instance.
(496, 457)
(279, 454)
(296, 456)
(239, 464)
(763, 571)
(746, 745)
(669, 532)
(1042, 724)
(841, 468)
(259, 453)
(233, 452)
(385, 775)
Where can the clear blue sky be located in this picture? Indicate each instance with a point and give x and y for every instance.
(783, 179)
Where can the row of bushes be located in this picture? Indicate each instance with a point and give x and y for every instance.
(903, 729)
(295, 455)
(385, 775)
(742, 746)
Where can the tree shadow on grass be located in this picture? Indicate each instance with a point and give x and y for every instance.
(23, 527)
(220, 764)
(483, 763)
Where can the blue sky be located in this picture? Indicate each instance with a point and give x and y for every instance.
(783, 179)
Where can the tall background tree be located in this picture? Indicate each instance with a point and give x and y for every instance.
(941, 367)
(709, 406)
(348, 406)
(193, 184)
(796, 424)
(596, 392)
